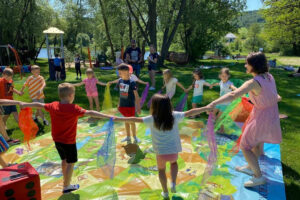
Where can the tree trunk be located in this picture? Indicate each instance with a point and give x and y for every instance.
(130, 26)
(38, 52)
(152, 17)
(167, 39)
(107, 29)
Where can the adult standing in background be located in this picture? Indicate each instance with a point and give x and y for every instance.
(152, 59)
(134, 57)
(77, 66)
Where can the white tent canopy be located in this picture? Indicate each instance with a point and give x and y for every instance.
(53, 30)
(230, 36)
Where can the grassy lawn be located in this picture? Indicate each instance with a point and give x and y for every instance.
(287, 88)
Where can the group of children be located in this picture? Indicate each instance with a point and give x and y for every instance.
(163, 121)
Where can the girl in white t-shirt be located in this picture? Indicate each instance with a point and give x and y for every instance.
(163, 123)
(226, 86)
(198, 85)
(170, 83)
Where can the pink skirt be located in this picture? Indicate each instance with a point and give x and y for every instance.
(163, 159)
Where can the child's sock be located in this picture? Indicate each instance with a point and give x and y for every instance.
(173, 187)
(136, 139)
(71, 188)
(126, 139)
(165, 195)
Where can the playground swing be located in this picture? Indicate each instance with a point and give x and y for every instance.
(18, 67)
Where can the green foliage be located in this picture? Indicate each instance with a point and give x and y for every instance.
(282, 28)
(254, 40)
(248, 18)
(206, 22)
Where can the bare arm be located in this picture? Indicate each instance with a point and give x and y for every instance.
(180, 85)
(233, 87)
(113, 82)
(17, 92)
(196, 111)
(100, 83)
(92, 113)
(78, 84)
(279, 98)
(32, 105)
(245, 88)
(7, 102)
(215, 84)
(137, 101)
(129, 119)
(142, 82)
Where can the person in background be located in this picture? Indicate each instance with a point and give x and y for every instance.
(152, 59)
(77, 66)
(57, 67)
(134, 57)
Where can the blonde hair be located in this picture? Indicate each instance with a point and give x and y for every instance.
(168, 75)
(65, 90)
(90, 71)
(34, 67)
(8, 72)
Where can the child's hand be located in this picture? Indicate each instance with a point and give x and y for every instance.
(21, 93)
(211, 87)
(21, 104)
(138, 111)
(186, 91)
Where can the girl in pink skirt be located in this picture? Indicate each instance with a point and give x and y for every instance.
(91, 88)
(263, 125)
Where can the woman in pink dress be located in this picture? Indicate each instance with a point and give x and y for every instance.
(263, 125)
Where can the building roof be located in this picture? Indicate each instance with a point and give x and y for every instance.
(53, 30)
(230, 36)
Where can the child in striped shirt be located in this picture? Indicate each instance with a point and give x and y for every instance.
(36, 84)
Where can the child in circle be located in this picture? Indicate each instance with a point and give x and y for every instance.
(163, 123)
(198, 85)
(226, 86)
(170, 83)
(263, 124)
(152, 66)
(91, 88)
(129, 101)
(36, 85)
(64, 117)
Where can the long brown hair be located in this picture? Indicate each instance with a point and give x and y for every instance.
(162, 112)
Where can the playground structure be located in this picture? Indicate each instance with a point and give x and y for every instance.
(18, 67)
(55, 31)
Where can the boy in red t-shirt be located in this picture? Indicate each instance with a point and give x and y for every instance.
(64, 116)
(6, 92)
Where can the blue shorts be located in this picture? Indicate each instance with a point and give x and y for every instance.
(197, 99)
(221, 107)
(3, 144)
(9, 109)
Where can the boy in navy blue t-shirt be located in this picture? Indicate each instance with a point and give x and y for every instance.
(129, 101)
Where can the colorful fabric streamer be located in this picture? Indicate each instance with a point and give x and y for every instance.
(150, 101)
(241, 112)
(27, 125)
(144, 95)
(106, 155)
(212, 158)
(107, 103)
(180, 106)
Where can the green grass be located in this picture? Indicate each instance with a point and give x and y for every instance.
(287, 88)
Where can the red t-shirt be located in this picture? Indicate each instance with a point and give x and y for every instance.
(64, 119)
(6, 89)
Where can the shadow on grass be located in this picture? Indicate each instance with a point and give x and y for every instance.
(69, 196)
(292, 189)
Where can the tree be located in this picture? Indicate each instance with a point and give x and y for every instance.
(205, 22)
(82, 40)
(283, 23)
(254, 41)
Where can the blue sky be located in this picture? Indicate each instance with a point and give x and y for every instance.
(254, 4)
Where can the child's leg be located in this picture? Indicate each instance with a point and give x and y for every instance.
(91, 102)
(40, 113)
(3, 130)
(194, 105)
(133, 129)
(161, 165)
(2, 161)
(5, 117)
(174, 171)
(127, 128)
(96, 99)
(16, 116)
(63, 168)
(68, 174)
(152, 77)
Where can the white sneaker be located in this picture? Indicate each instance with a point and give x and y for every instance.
(126, 139)
(137, 140)
(173, 187)
(152, 88)
(165, 195)
(70, 188)
(255, 182)
(245, 169)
